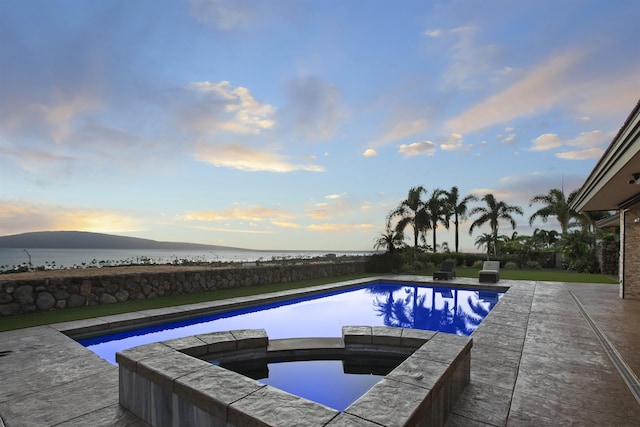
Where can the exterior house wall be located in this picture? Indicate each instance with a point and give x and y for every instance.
(630, 253)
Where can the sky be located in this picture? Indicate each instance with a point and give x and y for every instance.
(300, 124)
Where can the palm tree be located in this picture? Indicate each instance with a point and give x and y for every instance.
(437, 206)
(458, 209)
(411, 212)
(555, 205)
(493, 213)
(513, 243)
(544, 238)
(390, 239)
(484, 239)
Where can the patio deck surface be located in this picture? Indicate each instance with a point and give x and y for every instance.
(548, 354)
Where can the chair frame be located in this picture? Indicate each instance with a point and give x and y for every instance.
(490, 272)
(446, 271)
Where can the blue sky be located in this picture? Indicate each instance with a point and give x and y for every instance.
(300, 124)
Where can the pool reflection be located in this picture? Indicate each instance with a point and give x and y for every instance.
(456, 311)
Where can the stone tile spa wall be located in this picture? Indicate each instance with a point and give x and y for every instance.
(26, 296)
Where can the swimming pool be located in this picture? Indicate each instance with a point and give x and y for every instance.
(452, 310)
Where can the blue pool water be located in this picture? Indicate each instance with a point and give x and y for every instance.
(322, 381)
(451, 310)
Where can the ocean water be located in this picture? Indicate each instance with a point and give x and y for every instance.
(78, 258)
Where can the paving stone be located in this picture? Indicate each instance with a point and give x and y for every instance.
(356, 335)
(495, 354)
(416, 337)
(166, 367)
(589, 390)
(272, 407)
(485, 371)
(485, 403)
(218, 341)
(455, 420)
(111, 416)
(385, 335)
(250, 338)
(132, 356)
(375, 405)
(62, 403)
(192, 345)
(214, 388)
(348, 420)
(57, 371)
(529, 410)
(415, 371)
(509, 342)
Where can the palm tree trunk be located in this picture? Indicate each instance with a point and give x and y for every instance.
(456, 225)
(434, 239)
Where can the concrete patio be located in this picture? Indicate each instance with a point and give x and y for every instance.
(548, 354)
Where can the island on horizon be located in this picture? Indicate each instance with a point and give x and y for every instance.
(89, 240)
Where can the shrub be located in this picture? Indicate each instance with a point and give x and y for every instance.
(510, 266)
(383, 263)
(478, 264)
(533, 265)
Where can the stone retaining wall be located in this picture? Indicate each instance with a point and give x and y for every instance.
(26, 296)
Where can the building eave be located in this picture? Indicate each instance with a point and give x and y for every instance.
(607, 187)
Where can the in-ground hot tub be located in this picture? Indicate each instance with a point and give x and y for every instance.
(170, 383)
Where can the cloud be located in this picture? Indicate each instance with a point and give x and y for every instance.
(453, 143)
(545, 142)
(472, 63)
(340, 227)
(222, 14)
(35, 160)
(248, 213)
(402, 129)
(51, 118)
(370, 152)
(328, 210)
(233, 230)
(20, 217)
(508, 139)
(221, 107)
(595, 138)
(613, 95)
(246, 158)
(259, 219)
(286, 224)
(590, 142)
(417, 148)
(435, 33)
(589, 153)
(313, 107)
(540, 90)
(333, 196)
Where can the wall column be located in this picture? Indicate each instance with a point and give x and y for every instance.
(630, 253)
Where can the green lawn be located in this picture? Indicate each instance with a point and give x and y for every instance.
(42, 318)
(544, 275)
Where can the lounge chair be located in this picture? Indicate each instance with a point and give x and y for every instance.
(446, 271)
(490, 272)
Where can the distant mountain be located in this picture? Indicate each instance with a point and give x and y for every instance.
(85, 240)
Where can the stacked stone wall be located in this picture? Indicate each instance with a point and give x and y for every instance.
(30, 295)
(631, 266)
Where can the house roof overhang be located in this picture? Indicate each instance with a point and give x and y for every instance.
(609, 186)
(610, 221)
